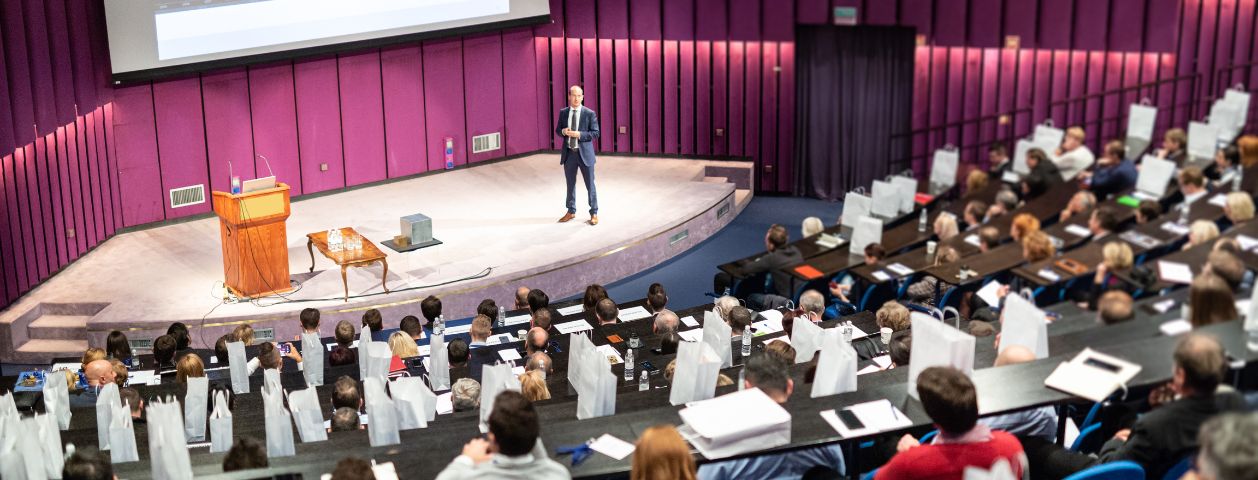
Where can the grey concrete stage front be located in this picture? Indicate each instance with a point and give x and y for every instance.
(500, 216)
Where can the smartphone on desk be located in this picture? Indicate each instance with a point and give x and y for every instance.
(648, 366)
(850, 421)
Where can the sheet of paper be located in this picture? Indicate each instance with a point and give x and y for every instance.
(1011, 176)
(141, 377)
(610, 352)
(213, 359)
(455, 330)
(689, 321)
(517, 370)
(878, 416)
(572, 310)
(1219, 200)
(988, 293)
(1139, 195)
(1049, 274)
(444, 405)
(573, 327)
(691, 335)
(868, 369)
(766, 327)
(425, 350)
(509, 354)
(635, 313)
(1078, 230)
(500, 339)
(900, 269)
(1175, 228)
(972, 239)
(1164, 305)
(518, 319)
(882, 276)
(1247, 242)
(1175, 327)
(612, 446)
(882, 361)
(1174, 272)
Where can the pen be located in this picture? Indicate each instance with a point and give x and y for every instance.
(893, 412)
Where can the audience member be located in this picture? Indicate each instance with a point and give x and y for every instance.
(606, 312)
(998, 160)
(811, 226)
(164, 352)
(1104, 221)
(478, 355)
(309, 318)
(243, 334)
(521, 298)
(1174, 146)
(1211, 301)
(1114, 172)
(345, 394)
(945, 226)
(1227, 447)
(480, 332)
(988, 238)
(1148, 211)
(345, 420)
(1044, 174)
(488, 308)
(949, 398)
(510, 450)
(87, 463)
(542, 319)
(220, 349)
(656, 298)
(180, 332)
(1037, 246)
(117, 346)
(976, 181)
(1023, 224)
(1200, 233)
(1228, 267)
(457, 352)
(779, 255)
(538, 300)
(923, 291)
(1192, 184)
(593, 293)
(1238, 208)
(1073, 156)
(269, 357)
(374, 322)
(411, 327)
(190, 366)
(402, 345)
(1080, 202)
(430, 308)
(666, 322)
(99, 373)
(782, 350)
(740, 319)
(536, 341)
(465, 394)
(120, 372)
(1036, 422)
(973, 215)
(132, 399)
(342, 353)
(661, 454)
(353, 468)
(812, 303)
(893, 315)
(1226, 166)
(1115, 306)
(668, 343)
(1006, 201)
(874, 253)
(901, 348)
(246, 453)
(533, 386)
(539, 361)
(90, 355)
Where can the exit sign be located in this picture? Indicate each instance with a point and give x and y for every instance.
(845, 15)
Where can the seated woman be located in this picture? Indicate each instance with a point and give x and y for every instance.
(923, 291)
(1037, 246)
(945, 226)
(1023, 223)
(1201, 232)
(1210, 300)
(402, 346)
(1238, 208)
(1115, 256)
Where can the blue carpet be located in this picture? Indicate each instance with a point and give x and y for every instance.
(688, 277)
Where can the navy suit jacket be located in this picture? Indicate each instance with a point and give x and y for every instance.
(587, 124)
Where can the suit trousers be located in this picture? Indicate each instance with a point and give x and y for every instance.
(570, 168)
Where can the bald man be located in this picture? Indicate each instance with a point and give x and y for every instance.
(536, 341)
(99, 373)
(665, 322)
(522, 298)
(1039, 422)
(578, 126)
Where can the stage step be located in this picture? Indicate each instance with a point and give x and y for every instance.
(742, 197)
(58, 327)
(715, 180)
(44, 351)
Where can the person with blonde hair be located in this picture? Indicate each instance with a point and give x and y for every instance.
(1115, 256)
(923, 291)
(893, 315)
(189, 366)
(243, 333)
(661, 454)
(1037, 246)
(533, 386)
(1073, 156)
(92, 354)
(1238, 207)
(945, 226)
(402, 345)
(1023, 223)
(1200, 232)
(1174, 146)
(975, 182)
(812, 226)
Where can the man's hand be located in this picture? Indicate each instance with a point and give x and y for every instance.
(573, 134)
(906, 442)
(478, 450)
(1123, 434)
(293, 353)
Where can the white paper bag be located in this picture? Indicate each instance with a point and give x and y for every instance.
(1223, 115)
(24, 461)
(1239, 99)
(384, 418)
(592, 378)
(1048, 137)
(886, 202)
(1022, 323)
(312, 359)
(717, 335)
(1155, 175)
(57, 399)
(938, 344)
(943, 170)
(415, 404)
(220, 425)
(868, 230)
(439, 364)
(271, 380)
(836, 369)
(1140, 121)
(806, 338)
(106, 402)
(239, 367)
(695, 375)
(304, 405)
(378, 357)
(906, 189)
(495, 379)
(7, 407)
(195, 407)
(364, 346)
(1019, 156)
(122, 447)
(168, 451)
(1203, 140)
(855, 206)
(279, 425)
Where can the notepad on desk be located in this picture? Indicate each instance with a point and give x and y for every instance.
(689, 321)
(518, 319)
(990, 293)
(808, 272)
(634, 313)
(870, 417)
(574, 326)
(1174, 272)
(1078, 230)
(691, 335)
(572, 310)
(900, 269)
(882, 276)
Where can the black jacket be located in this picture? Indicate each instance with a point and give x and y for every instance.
(775, 263)
(1163, 437)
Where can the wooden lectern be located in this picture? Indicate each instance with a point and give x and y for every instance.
(255, 241)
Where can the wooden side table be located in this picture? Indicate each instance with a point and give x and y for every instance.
(363, 257)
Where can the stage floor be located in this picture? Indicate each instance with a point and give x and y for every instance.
(500, 216)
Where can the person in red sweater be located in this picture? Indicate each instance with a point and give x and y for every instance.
(949, 398)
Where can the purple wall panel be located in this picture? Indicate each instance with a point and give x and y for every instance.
(95, 229)
(228, 129)
(519, 101)
(16, 202)
(939, 94)
(362, 117)
(918, 14)
(8, 263)
(654, 97)
(670, 98)
(607, 96)
(137, 155)
(1205, 50)
(744, 19)
(1092, 24)
(637, 94)
(41, 66)
(572, 64)
(443, 91)
(1078, 85)
(1223, 39)
(956, 92)
(712, 19)
(319, 126)
(984, 27)
(879, 12)
(1162, 31)
(402, 75)
(82, 61)
(41, 207)
(613, 19)
(7, 140)
(23, 204)
(555, 28)
(786, 117)
(1020, 20)
(59, 53)
(271, 100)
(921, 85)
(950, 27)
(644, 20)
(78, 184)
(720, 98)
(703, 98)
(624, 116)
(545, 132)
(15, 55)
(686, 52)
(62, 197)
(751, 108)
(482, 64)
(812, 12)
(1055, 17)
(1113, 81)
(1043, 85)
(734, 131)
(768, 120)
(589, 74)
(1187, 57)
(180, 139)
(1125, 34)
(990, 93)
(1096, 83)
(105, 123)
(1060, 87)
(1244, 35)
(558, 89)
(779, 20)
(679, 20)
(973, 98)
(578, 19)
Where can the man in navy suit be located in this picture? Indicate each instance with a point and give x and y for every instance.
(579, 128)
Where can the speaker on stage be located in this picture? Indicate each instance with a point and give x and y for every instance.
(416, 233)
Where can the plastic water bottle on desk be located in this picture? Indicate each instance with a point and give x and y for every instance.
(644, 382)
(847, 332)
(629, 365)
(1183, 213)
(746, 343)
(439, 325)
(502, 317)
(922, 221)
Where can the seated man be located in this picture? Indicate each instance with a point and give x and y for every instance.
(246, 453)
(410, 325)
(814, 306)
(130, 397)
(457, 352)
(536, 341)
(656, 298)
(342, 353)
(374, 322)
(510, 449)
(87, 464)
(606, 312)
(164, 353)
(480, 355)
(345, 420)
(465, 394)
(852, 293)
(1037, 422)
(778, 256)
(1115, 306)
(666, 322)
(1073, 157)
(482, 328)
(521, 298)
(771, 375)
(345, 394)
(949, 398)
(430, 308)
(740, 319)
(1228, 447)
(539, 361)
